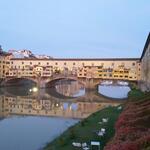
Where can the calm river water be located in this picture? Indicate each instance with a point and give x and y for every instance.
(30, 118)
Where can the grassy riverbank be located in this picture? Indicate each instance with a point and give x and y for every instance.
(85, 131)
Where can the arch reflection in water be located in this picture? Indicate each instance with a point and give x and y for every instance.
(70, 88)
(114, 91)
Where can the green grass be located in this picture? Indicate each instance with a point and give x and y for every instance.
(84, 131)
(135, 93)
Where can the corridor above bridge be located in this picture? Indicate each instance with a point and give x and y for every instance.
(123, 69)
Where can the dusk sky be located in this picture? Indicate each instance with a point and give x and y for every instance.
(75, 28)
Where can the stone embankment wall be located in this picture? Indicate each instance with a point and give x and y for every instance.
(145, 66)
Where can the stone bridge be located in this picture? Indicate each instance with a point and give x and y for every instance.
(42, 82)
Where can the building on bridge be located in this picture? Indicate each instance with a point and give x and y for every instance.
(4, 64)
(124, 69)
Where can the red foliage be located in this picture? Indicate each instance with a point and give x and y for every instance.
(132, 128)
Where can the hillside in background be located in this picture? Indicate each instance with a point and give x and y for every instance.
(27, 54)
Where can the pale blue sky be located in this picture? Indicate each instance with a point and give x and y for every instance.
(75, 28)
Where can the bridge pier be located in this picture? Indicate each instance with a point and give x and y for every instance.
(41, 84)
(91, 84)
(2, 83)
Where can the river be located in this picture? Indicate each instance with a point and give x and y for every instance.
(31, 117)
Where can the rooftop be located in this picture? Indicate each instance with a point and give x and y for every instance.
(80, 59)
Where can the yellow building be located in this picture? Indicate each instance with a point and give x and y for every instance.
(126, 69)
(4, 64)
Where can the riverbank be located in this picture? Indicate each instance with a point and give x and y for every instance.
(85, 130)
(133, 127)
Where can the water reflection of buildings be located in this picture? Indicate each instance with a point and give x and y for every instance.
(27, 106)
(68, 88)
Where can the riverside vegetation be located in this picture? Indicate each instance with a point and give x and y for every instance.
(126, 130)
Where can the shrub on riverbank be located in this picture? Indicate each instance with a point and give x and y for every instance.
(135, 93)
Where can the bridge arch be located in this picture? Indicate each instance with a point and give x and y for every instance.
(51, 82)
(15, 80)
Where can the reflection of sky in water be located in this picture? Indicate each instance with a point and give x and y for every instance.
(31, 133)
(65, 106)
(114, 91)
(81, 92)
(72, 106)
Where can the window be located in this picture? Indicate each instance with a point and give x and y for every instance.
(30, 63)
(126, 71)
(64, 63)
(39, 63)
(133, 64)
(100, 67)
(56, 63)
(74, 63)
(47, 63)
(22, 62)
